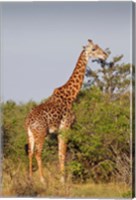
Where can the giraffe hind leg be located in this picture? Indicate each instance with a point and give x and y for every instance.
(31, 143)
(39, 141)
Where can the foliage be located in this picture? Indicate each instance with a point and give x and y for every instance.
(112, 78)
(14, 136)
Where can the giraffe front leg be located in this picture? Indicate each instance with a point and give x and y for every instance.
(62, 144)
(39, 162)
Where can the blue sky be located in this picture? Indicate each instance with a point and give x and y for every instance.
(41, 42)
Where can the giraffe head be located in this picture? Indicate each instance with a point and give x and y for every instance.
(94, 51)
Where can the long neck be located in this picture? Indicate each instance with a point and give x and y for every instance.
(70, 90)
(76, 79)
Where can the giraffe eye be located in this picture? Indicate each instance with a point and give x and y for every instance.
(93, 49)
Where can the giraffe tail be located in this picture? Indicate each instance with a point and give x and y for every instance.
(26, 149)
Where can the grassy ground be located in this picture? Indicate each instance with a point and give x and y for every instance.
(17, 184)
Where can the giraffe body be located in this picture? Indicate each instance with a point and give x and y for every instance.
(56, 115)
(49, 117)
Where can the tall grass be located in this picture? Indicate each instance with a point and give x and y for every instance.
(17, 184)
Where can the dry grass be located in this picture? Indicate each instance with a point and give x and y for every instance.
(17, 184)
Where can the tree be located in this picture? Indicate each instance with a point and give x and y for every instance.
(112, 78)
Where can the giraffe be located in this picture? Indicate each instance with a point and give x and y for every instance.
(55, 114)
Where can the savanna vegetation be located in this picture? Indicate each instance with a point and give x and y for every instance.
(99, 147)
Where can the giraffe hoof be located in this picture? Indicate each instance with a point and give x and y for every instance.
(62, 180)
(30, 178)
(42, 180)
